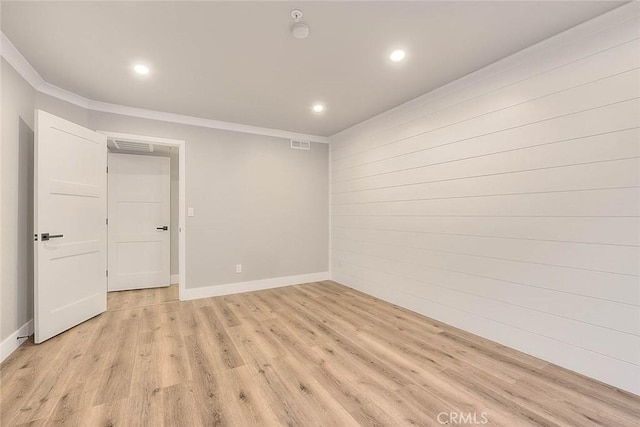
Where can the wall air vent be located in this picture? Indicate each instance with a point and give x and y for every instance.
(300, 145)
(139, 147)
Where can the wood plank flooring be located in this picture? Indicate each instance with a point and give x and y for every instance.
(317, 354)
(141, 298)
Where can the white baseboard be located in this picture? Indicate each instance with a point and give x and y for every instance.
(253, 285)
(11, 343)
(175, 278)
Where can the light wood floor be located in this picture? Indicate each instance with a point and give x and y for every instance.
(315, 354)
(141, 298)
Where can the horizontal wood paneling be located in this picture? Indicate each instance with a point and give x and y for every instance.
(602, 146)
(622, 346)
(599, 313)
(619, 288)
(606, 258)
(508, 203)
(609, 174)
(596, 230)
(613, 202)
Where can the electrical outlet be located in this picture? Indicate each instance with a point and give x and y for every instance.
(238, 268)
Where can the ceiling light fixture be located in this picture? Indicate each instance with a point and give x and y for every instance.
(397, 55)
(141, 69)
(318, 108)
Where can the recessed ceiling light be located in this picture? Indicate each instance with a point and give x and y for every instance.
(397, 55)
(318, 108)
(141, 69)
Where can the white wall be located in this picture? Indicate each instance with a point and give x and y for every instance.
(16, 288)
(506, 203)
(257, 202)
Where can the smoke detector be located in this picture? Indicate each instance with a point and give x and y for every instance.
(299, 30)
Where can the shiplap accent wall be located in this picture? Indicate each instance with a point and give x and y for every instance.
(507, 203)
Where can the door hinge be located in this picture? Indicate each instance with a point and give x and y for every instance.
(106, 273)
(107, 169)
(106, 221)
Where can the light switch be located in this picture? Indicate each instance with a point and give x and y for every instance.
(190, 212)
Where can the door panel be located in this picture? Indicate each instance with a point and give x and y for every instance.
(139, 204)
(70, 205)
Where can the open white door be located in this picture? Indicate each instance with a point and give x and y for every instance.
(139, 216)
(71, 236)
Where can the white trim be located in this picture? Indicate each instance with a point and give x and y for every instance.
(13, 56)
(11, 343)
(182, 216)
(175, 278)
(253, 285)
(182, 177)
(129, 137)
(19, 63)
(65, 95)
(330, 212)
(200, 122)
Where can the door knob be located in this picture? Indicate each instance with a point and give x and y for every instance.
(164, 228)
(46, 236)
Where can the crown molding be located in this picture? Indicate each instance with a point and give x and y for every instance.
(19, 63)
(13, 56)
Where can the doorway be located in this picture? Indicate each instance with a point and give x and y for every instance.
(70, 221)
(142, 262)
(140, 224)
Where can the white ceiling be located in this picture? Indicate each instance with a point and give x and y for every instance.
(237, 61)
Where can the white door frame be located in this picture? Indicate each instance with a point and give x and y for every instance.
(182, 226)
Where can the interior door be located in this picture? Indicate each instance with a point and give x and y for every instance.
(70, 209)
(139, 216)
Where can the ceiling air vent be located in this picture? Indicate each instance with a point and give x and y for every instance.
(139, 147)
(300, 145)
